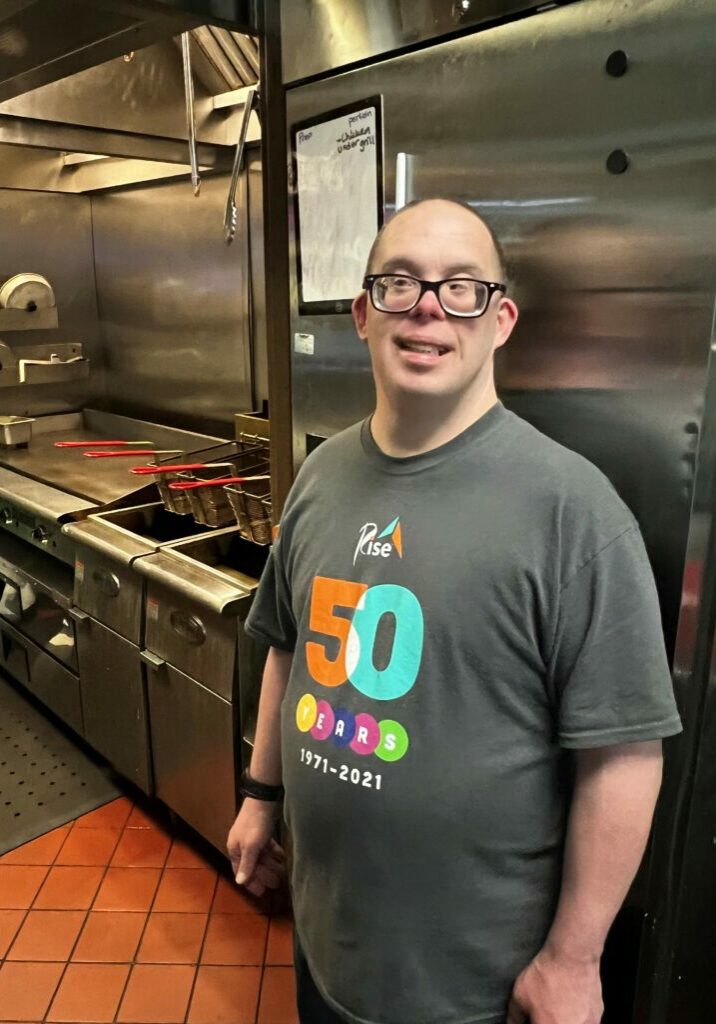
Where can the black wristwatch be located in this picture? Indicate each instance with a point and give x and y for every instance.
(258, 790)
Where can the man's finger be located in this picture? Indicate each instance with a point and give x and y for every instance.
(247, 864)
(255, 887)
(271, 879)
(275, 855)
(266, 861)
(277, 850)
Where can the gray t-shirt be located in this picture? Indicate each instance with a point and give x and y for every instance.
(460, 619)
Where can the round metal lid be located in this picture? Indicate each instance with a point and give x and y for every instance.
(27, 291)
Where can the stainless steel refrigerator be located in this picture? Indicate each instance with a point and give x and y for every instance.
(586, 134)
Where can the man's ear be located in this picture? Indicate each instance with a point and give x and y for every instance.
(506, 320)
(359, 309)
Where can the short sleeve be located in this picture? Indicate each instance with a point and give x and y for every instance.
(608, 669)
(271, 617)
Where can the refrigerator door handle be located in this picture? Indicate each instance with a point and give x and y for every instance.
(404, 165)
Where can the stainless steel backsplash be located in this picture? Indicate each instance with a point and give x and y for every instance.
(173, 303)
(51, 234)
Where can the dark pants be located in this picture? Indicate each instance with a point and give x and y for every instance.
(312, 1008)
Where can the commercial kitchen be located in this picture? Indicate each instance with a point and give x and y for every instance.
(188, 193)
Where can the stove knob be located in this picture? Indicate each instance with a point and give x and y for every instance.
(40, 535)
(6, 517)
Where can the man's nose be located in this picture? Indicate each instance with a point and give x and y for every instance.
(429, 306)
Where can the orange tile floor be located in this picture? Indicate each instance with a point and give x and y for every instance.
(113, 918)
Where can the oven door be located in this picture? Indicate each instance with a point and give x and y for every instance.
(35, 596)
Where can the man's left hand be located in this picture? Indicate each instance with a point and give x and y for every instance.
(554, 989)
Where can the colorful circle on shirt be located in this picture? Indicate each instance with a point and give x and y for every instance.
(306, 712)
(394, 741)
(325, 719)
(344, 728)
(367, 735)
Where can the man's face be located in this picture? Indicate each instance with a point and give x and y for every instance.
(434, 241)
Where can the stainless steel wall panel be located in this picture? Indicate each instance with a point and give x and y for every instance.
(173, 300)
(52, 235)
(319, 37)
(614, 274)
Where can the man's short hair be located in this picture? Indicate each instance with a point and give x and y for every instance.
(501, 262)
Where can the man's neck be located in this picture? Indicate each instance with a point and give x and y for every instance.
(412, 425)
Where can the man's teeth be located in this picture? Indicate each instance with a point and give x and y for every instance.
(431, 350)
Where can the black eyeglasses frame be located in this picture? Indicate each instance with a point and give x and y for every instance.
(434, 286)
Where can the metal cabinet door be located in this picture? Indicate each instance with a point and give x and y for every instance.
(110, 592)
(114, 700)
(50, 681)
(13, 659)
(199, 641)
(195, 750)
(55, 687)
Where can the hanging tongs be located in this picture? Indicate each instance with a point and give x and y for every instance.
(189, 102)
(231, 214)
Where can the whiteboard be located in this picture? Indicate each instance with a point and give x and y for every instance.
(339, 203)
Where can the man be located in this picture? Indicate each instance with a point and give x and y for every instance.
(466, 687)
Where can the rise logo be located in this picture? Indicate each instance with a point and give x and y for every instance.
(379, 545)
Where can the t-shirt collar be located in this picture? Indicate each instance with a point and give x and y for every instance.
(475, 433)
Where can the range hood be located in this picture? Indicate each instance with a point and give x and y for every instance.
(42, 41)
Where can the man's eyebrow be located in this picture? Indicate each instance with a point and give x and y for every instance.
(471, 269)
(400, 263)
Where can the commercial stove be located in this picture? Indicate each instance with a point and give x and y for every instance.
(73, 619)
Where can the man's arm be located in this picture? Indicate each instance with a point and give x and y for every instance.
(610, 817)
(256, 859)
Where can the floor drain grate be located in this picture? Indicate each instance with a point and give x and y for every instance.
(46, 779)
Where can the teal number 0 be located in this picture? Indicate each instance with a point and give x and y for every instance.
(398, 677)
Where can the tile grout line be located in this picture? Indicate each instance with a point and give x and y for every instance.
(25, 910)
(263, 964)
(48, 869)
(149, 913)
(70, 827)
(26, 914)
(87, 911)
(144, 929)
(201, 947)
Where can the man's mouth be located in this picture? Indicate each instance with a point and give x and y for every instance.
(422, 347)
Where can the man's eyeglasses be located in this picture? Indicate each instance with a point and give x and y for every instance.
(458, 296)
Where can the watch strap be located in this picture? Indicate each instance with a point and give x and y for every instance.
(258, 790)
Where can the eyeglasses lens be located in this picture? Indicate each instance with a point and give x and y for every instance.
(463, 298)
(395, 294)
